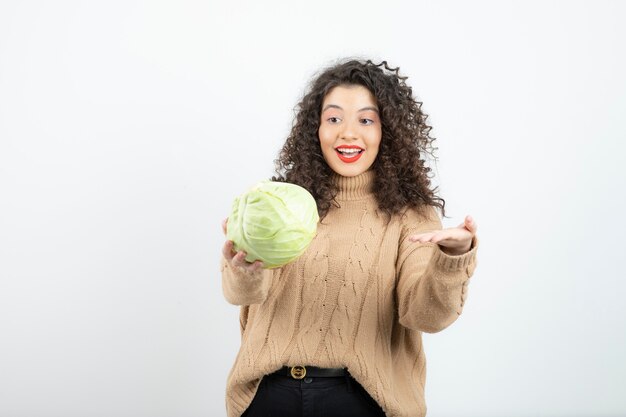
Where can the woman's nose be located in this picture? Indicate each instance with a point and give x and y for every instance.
(349, 131)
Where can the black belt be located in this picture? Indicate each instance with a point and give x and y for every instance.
(299, 372)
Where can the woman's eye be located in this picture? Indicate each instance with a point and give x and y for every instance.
(333, 119)
(367, 121)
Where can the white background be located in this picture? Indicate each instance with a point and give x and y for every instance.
(127, 128)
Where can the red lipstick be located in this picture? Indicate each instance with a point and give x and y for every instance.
(349, 153)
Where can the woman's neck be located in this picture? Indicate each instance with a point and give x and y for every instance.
(355, 188)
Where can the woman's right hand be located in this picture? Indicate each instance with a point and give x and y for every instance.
(238, 259)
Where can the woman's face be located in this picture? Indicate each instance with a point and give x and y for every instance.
(350, 129)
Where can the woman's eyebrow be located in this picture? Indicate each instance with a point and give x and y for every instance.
(369, 108)
(331, 106)
(334, 106)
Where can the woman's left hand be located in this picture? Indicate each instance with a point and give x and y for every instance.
(453, 241)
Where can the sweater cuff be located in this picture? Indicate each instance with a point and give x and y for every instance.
(456, 262)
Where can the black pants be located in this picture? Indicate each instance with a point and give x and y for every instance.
(282, 396)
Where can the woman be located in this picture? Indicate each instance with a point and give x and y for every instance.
(338, 331)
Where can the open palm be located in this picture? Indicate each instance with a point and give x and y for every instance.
(454, 240)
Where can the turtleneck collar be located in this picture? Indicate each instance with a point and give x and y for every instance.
(355, 188)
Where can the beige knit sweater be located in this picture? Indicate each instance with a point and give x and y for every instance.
(359, 297)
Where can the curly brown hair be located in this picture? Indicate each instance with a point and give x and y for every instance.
(402, 179)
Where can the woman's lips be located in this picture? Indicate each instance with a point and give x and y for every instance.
(349, 154)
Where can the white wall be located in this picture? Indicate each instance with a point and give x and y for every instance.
(127, 128)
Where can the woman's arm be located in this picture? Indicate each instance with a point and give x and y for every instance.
(243, 283)
(432, 285)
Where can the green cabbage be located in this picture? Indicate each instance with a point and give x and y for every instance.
(273, 222)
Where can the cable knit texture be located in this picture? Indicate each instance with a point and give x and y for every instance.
(359, 297)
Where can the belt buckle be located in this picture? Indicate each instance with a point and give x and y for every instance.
(298, 372)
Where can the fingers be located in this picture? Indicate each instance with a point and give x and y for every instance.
(234, 257)
(255, 266)
(423, 237)
(453, 241)
(228, 251)
(238, 259)
(434, 237)
(453, 234)
(470, 224)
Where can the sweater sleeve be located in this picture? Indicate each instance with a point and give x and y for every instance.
(242, 288)
(432, 285)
